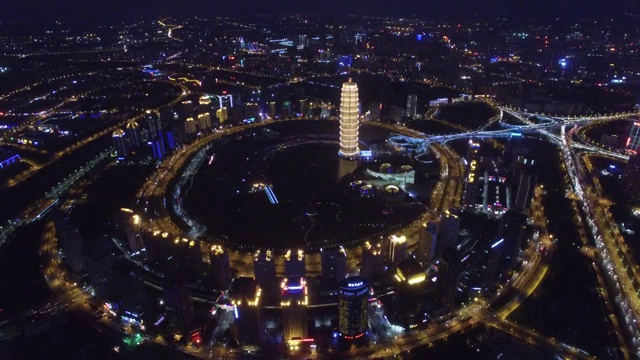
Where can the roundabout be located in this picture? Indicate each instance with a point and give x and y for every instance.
(284, 187)
(253, 187)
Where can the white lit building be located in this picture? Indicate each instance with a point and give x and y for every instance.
(349, 120)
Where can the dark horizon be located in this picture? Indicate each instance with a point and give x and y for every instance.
(120, 10)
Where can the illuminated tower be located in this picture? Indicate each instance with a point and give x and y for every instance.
(349, 120)
(352, 307)
(294, 301)
(119, 143)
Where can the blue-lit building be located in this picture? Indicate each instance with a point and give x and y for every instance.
(157, 148)
(352, 308)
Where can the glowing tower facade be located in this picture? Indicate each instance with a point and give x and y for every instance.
(349, 120)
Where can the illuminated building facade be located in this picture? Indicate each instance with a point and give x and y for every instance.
(294, 301)
(402, 175)
(428, 239)
(633, 141)
(397, 248)
(352, 308)
(120, 144)
(631, 178)
(222, 114)
(349, 120)
(190, 129)
(407, 306)
(204, 121)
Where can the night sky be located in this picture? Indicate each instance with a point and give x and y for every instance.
(38, 10)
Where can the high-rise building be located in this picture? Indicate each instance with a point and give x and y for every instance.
(349, 120)
(352, 307)
(222, 114)
(225, 101)
(100, 260)
(157, 148)
(525, 184)
(70, 241)
(333, 263)
(206, 105)
(130, 289)
(302, 107)
(154, 124)
(190, 128)
(187, 252)
(372, 264)
(248, 322)
(448, 277)
(396, 113)
(412, 106)
(511, 231)
(272, 109)
(294, 264)
(204, 121)
(286, 108)
(428, 242)
(120, 144)
(177, 301)
(294, 301)
(264, 269)
(133, 134)
(406, 307)
(631, 178)
(186, 109)
(449, 229)
(374, 110)
(397, 248)
(252, 111)
(133, 231)
(221, 266)
(633, 141)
